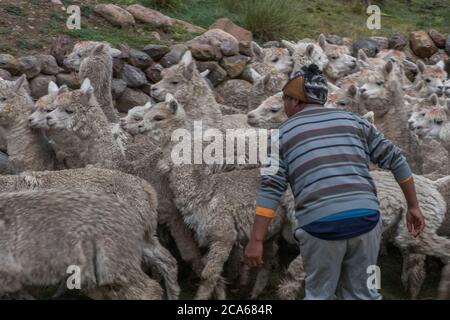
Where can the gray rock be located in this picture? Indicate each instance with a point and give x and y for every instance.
(118, 86)
(216, 73)
(133, 76)
(370, 47)
(61, 46)
(39, 85)
(421, 44)
(69, 79)
(156, 51)
(272, 44)
(48, 64)
(30, 66)
(334, 39)
(117, 67)
(115, 15)
(5, 75)
(153, 72)
(382, 42)
(131, 98)
(234, 65)
(447, 44)
(438, 56)
(398, 41)
(9, 63)
(124, 49)
(438, 38)
(139, 59)
(205, 52)
(229, 48)
(174, 56)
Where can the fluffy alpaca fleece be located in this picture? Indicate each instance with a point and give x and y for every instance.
(220, 216)
(27, 149)
(94, 60)
(81, 136)
(304, 53)
(93, 231)
(137, 194)
(432, 76)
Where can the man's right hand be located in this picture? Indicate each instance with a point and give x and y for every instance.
(253, 253)
(415, 221)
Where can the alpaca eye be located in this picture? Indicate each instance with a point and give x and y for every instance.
(341, 103)
(439, 122)
(137, 118)
(380, 83)
(428, 80)
(2, 99)
(69, 111)
(175, 83)
(274, 110)
(422, 114)
(158, 118)
(275, 60)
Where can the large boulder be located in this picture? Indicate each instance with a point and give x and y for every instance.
(156, 51)
(117, 66)
(421, 44)
(189, 27)
(174, 56)
(334, 39)
(382, 42)
(243, 36)
(9, 63)
(150, 16)
(398, 41)
(48, 64)
(5, 75)
(69, 79)
(30, 66)
(139, 59)
(369, 46)
(234, 65)
(118, 87)
(153, 72)
(216, 73)
(61, 46)
(131, 98)
(39, 85)
(115, 15)
(437, 37)
(133, 76)
(215, 43)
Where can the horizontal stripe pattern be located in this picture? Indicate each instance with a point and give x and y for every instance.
(324, 157)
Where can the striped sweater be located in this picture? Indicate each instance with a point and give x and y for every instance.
(324, 156)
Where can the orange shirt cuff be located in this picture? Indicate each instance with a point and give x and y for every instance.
(265, 212)
(406, 180)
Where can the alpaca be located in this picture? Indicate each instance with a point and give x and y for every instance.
(433, 77)
(26, 148)
(304, 53)
(92, 231)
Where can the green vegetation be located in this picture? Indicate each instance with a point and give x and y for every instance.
(14, 10)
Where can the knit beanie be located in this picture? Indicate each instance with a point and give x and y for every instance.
(308, 85)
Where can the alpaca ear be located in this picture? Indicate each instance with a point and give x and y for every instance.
(419, 86)
(63, 89)
(87, 90)
(255, 76)
(279, 94)
(169, 97)
(257, 50)
(421, 66)
(309, 50)
(148, 105)
(434, 99)
(352, 91)
(114, 52)
(441, 64)
(388, 67)
(173, 103)
(362, 55)
(52, 88)
(332, 87)
(187, 58)
(289, 45)
(19, 83)
(370, 116)
(322, 41)
(188, 64)
(99, 49)
(205, 73)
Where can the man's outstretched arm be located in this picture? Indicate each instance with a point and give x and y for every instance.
(414, 217)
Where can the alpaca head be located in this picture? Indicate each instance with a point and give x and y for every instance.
(179, 80)
(44, 105)
(432, 76)
(71, 108)
(432, 124)
(279, 58)
(305, 53)
(14, 101)
(344, 98)
(340, 61)
(163, 118)
(378, 89)
(269, 114)
(83, 49)
(133, 122)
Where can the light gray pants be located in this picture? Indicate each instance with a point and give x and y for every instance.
(337, 269)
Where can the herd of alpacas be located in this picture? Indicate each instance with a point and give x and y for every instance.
(79, 186)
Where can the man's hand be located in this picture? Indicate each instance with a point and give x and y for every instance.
(253, 253)
(415, 221)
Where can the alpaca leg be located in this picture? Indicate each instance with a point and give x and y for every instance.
(293, 281)
(270, 262)
(218, 253)
(413, 273)
(165, 264)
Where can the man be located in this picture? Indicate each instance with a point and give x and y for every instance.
(324, 156)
